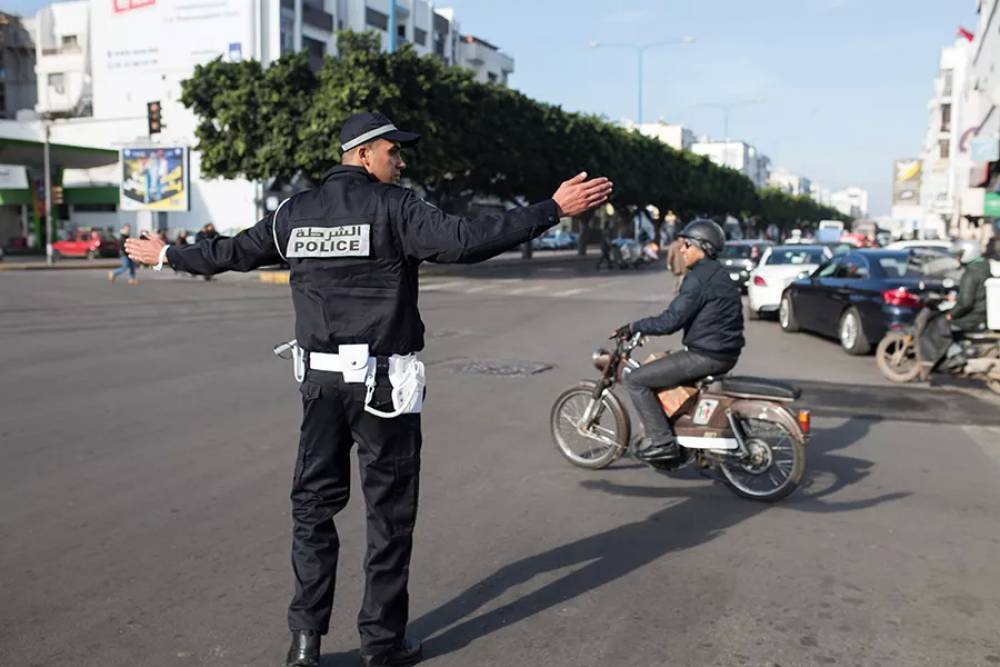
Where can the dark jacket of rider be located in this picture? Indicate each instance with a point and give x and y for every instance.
(708, 309)
(969, 312)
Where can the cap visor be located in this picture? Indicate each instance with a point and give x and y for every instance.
(404, 138)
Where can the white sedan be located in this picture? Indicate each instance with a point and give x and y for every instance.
(778, 268)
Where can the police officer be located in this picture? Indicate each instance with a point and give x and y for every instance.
(354, 245)
(709, 310)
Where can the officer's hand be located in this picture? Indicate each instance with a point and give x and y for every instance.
(578, 195)
(144, 251)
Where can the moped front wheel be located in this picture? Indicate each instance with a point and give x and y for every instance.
(896, 357)
(591, 434)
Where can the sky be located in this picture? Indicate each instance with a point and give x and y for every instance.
(834, 90)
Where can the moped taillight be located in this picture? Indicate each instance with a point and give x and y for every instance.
(805, 421)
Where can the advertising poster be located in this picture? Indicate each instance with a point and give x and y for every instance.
(154, 179)
(906, 182)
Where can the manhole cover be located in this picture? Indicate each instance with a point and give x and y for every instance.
(506, 368)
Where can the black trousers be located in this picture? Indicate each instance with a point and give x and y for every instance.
(389, 460)
(674, 370)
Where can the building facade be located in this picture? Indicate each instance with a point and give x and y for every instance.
(790, 183)
(737, 155)
(851, 201)
(674, 135)
(100, 63)
(18, 90)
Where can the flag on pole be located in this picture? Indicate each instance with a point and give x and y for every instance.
(962, 32)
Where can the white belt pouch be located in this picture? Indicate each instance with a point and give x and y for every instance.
(406, 374)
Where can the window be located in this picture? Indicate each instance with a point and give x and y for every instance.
(57, 82)
(401, 31)
(316, 50)
(492, 77)
(852, 268)
(70, 42)
(420, 36)
(944, 146)
(948, 80)
(785, 256)
(828, 270)
(946, 118)
(287, 30)
(376, 19)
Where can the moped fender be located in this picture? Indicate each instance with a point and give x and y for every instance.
(769, 411)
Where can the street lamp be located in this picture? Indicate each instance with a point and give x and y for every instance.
(640, 51)
(725, 107)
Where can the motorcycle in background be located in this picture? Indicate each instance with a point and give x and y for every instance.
(743, 428)
(899, 359)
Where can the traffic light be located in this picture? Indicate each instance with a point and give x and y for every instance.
(153, 117)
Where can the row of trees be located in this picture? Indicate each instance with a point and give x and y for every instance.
(478, 139)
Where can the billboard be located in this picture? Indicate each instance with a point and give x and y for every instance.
(155, 179)
(906, 182)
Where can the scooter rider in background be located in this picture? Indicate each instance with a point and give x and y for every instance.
(709, 310)
(969, 313)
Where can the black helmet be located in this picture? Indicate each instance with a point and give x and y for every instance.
(708, 235)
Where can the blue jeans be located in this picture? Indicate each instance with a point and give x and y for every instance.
(127, 265)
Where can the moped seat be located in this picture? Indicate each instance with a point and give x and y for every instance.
(751, 386)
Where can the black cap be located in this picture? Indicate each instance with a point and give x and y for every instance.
(363, 127)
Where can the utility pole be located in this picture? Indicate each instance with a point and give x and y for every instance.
(49, 259)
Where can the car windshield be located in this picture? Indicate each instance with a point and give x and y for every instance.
(783, 256)
(736, 252)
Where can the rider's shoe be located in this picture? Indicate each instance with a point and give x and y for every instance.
(658, 453)
(304, 651)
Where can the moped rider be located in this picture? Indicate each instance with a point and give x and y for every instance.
(710, 312)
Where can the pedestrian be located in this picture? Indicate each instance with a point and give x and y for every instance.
(675, 262)
(206, 233)
(127, 264)
(353, 245)
(606, 249)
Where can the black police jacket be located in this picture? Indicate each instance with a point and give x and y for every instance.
(353, 246)
(708, 309)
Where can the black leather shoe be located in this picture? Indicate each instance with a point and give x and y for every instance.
(659, 453)
(410, 653)
(304, 651)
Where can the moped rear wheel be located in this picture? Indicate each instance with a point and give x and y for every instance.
(593, 443)
(896, 357)
(775, 466)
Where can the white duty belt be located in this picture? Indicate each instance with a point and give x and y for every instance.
(406, 373)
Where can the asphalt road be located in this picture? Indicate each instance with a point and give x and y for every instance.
(147, 439)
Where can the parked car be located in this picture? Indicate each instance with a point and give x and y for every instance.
(86, 243)
(740, 257)
(556, 240)
(857, 297)
(778, 267)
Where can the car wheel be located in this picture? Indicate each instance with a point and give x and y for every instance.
(851, 334)
(786, 315)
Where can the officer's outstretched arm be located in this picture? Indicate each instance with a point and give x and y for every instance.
(248, 250)
(427, 233)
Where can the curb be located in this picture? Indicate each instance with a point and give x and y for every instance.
(42, 266)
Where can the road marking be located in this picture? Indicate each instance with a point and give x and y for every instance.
(525, 290)
(490, 284)
(588, 288)
(437, 286)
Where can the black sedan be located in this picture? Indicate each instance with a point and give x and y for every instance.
(858, 296)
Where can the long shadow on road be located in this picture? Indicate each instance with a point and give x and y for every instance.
(700, 516)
